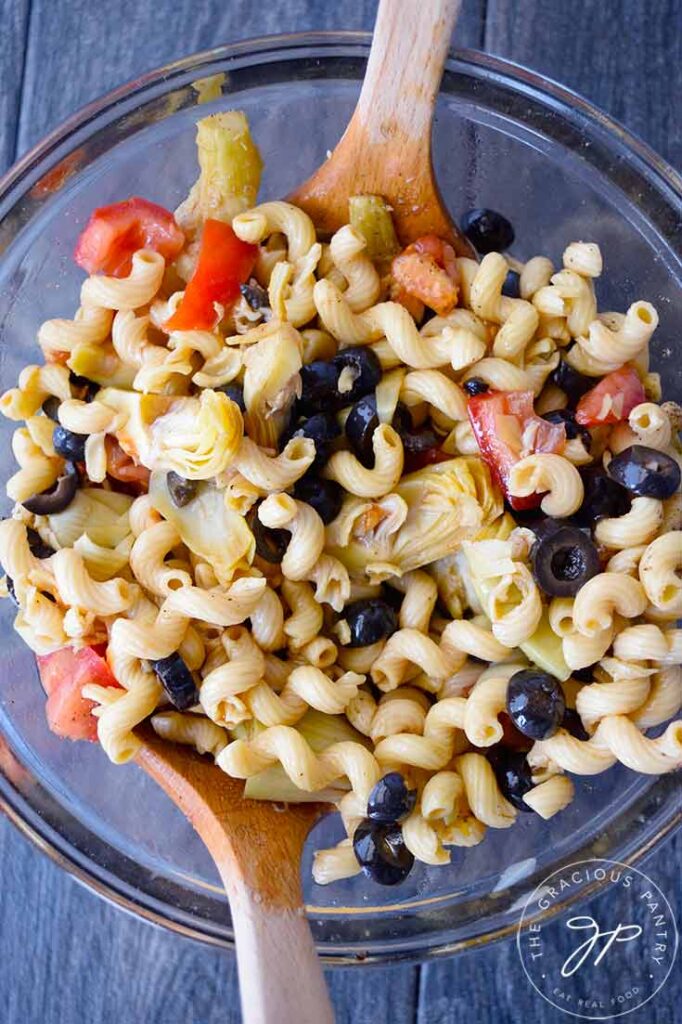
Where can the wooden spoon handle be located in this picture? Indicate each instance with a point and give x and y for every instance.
(405, 65)
(280, 975)
(386, 148)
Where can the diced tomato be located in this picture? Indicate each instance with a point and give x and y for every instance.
(413, 305)
(612, 400)
(442, 252)
(63, 674)
(506, 429)
(427, 270)
(224, 263)
(115, 232)
(122, 466)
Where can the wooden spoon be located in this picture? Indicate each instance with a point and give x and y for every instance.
(386, 150)
(257, 850)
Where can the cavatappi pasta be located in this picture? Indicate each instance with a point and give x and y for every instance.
(327, 512)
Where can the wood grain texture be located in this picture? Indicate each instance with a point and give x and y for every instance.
(102, 45)
(386, 148)
(624, 55)
(257, 849)
(13, 39)
(238, 833)
(65, 956)
(488, 986)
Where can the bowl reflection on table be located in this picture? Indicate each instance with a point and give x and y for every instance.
(560, 171)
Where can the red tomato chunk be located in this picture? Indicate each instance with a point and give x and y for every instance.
(224, 263)
(612, 400)
(114, 233)
(506, 429)
(123, 467)
(427, 271)
(63, 674)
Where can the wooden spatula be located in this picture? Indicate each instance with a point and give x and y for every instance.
(257, 848)
(386, 148)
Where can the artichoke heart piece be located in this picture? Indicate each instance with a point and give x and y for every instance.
(102, 515)
(271, 383)
(230, 166)
(544, 647)
(101, 364)
(208, 528)
(427, 517)
(195, 437)
(320, 731)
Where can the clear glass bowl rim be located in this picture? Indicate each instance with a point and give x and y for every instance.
(649, 164)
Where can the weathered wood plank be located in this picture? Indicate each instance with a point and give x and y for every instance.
(68, 957)
(490, 987)
(65, 956)
(624, 56)
(94, 55)
(91, 962)
(14, 17)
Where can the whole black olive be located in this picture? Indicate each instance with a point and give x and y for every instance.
(56, 498)
(573, 723)
(487, 230)
(82, 387)
(535, 703)
(393, 597)
(181, 491)
(566, 418)
(418, 441)
(583, 675)
(321, 428)
(256, 297)
(573, 384)
(513, 774)
(645, 472)
(270, 544)
(604, 498)
(236, 393)
(51, 407)
(69, 445)
(318, 387)
(512, 285)
(363, 420)
(359, 372)
(544, 526)
(177, 681)
(369, 620)
(381, 852)
(325, 496)
(563, 560)
(532, 518)
(475, 386)
(390, 800)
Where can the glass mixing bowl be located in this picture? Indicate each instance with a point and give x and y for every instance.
(560, 170)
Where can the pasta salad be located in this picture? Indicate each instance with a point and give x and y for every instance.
(377, 525)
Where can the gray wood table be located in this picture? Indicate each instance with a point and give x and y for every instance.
(65, 956)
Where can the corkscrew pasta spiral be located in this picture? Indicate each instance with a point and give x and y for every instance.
(324, 576)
